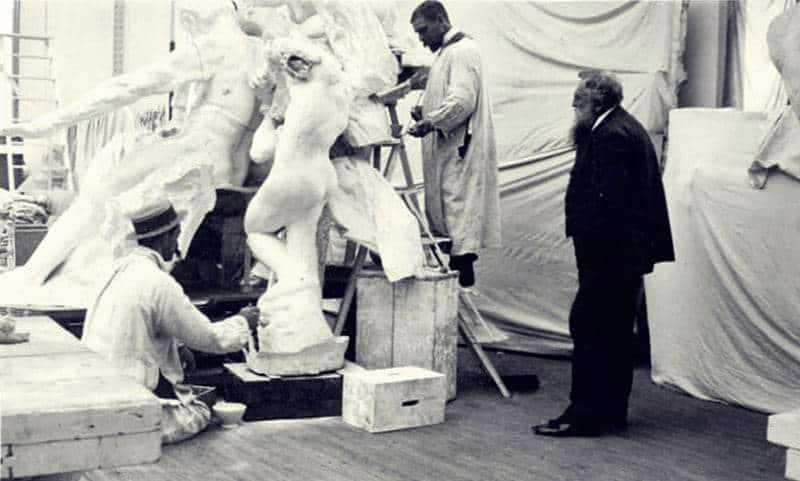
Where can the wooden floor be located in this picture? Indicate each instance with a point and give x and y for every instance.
(672, 437)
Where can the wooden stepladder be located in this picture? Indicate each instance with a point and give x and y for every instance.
(470, 320)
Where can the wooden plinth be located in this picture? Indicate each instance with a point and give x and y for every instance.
(64, 409)
(285, 397)
(411, 322)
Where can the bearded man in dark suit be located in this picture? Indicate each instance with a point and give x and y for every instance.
(617, 217)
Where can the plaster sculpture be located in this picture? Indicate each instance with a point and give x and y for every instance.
(781, 145)
(297, 338)
(186, 163)
(318, 97)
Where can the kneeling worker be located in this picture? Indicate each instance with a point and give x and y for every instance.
(140, 314)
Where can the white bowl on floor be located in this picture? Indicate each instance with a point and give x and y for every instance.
(229, 414)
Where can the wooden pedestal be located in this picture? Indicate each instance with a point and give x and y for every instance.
(285, 397)
(412, 322)
(784, 429)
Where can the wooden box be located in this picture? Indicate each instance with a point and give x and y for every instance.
(65, 409)
(285, 397)
(394, 398)
(26, 239)
(412, 322)
(784, 429)
(792, 464)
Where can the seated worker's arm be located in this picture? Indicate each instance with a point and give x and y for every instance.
(179, 318)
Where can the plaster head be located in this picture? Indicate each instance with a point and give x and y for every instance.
(249, 18)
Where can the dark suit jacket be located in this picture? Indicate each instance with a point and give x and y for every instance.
(616, 210)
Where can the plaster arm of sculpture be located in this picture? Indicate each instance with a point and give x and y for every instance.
(176, 69)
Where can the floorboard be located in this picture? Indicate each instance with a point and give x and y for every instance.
(672, 437)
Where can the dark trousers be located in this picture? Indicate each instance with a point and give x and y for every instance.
(601, 325)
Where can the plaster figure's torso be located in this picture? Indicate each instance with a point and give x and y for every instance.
(212, 129)
(302, 173)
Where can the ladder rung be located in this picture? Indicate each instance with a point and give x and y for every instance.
(33, 77)
(388, 143)
(33, 99)
(36, 57)
(26, 37)
(410, 190)
(436, 240)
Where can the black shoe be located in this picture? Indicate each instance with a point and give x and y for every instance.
(620, 423)
(565, 418)
(573, 429)
(556, 422)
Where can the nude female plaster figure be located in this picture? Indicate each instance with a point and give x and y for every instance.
(294, 194)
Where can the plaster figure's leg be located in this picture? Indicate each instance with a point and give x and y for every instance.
(148, 159)
(271, 251)
(301, 243)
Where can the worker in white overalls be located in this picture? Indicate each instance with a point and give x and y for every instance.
(140, 314)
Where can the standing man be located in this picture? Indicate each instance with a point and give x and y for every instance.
(140, 315)
(616, 214)
(458, 145)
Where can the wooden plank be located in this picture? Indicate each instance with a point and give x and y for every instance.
(82, 423)
(57, 367)
(413, 323)
(784, 429)
(64, 408)
(47, 338)
(374, 320)
(445, 333)
(76, 408)
(81, 454)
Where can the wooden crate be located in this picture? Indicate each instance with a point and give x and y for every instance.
(26, 239)
(285, 397)
(412, 322)
(394, 398)
(792, 464)
(65, 409)
(784, 429)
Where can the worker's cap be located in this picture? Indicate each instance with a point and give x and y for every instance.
(155, 219)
